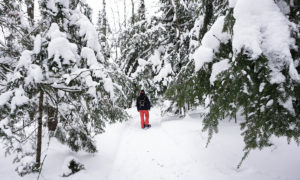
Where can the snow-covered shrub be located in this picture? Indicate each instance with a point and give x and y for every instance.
(71, 166)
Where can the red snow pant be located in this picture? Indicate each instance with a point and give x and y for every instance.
(144, 113)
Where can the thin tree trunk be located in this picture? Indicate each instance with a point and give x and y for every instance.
(142, 14)
(30, 11)
(104, 30)
(235, 118)
(132, 12)
(208, 9)
(39, 133)
(125, 18)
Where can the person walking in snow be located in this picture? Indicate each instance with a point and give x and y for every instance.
(143, 106)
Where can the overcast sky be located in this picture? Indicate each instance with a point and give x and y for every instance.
(115, 10)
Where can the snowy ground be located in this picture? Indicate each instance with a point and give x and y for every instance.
(173, 149)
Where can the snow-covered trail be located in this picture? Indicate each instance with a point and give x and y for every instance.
(172, 149)
(149, 154)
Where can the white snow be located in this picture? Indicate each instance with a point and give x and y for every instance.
(65, 167)
(25, 59)
(195, 31)
(59, 46)
(142, 62)
(86, 30)
(232, 3)
(91, 85)
(109, 88)
(155, 59)
(284, 7)
(54, 32)
(164, 72)
(277, 77)
(5, 97)
(257, 31)
(270, 103)
(201, 56)
(215, 35)
(37, 44)
(51, 4)
(89, 54)
(34, 72)
(210, 44)
(217, 68)
(18, 99)
(288, 104)
(172, 148)
(35, 75)
(64, 3)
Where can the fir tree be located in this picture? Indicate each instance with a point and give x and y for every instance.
(139, 45)
(15, 34)
(142, 11)
(103, 30)
(249, 84)
(179, 18)
(64, 77)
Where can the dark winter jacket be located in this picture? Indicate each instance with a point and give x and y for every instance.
(143, 103)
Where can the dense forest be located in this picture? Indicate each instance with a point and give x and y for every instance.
(63, 76)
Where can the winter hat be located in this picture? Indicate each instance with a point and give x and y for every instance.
(142, 92)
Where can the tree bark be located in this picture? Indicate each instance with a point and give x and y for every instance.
(125, 17)
(208, 10)
(142, 14)
(30, 11)
(39, 133)
(104, 30)
(132, 11)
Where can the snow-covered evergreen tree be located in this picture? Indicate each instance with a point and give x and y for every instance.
(179, 18)
(140, 46)
(142, 11)
(103, 29)
(61, 84)
(245, 62)
(14, 34)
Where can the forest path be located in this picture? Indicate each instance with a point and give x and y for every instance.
(172, 149)
(149, 153)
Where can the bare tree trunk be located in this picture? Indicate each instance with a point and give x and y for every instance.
(104, 30)
(142, 13)
(125, 18)
(39, 133)
(208, 9)
(30, 11)
(132, 11)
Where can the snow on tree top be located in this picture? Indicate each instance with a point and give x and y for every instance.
(51, 4)
(257, 31)
(217, 68)
(86, 30)
(210, 43)
(59, 46)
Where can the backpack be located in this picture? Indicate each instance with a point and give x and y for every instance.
(142, 102)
